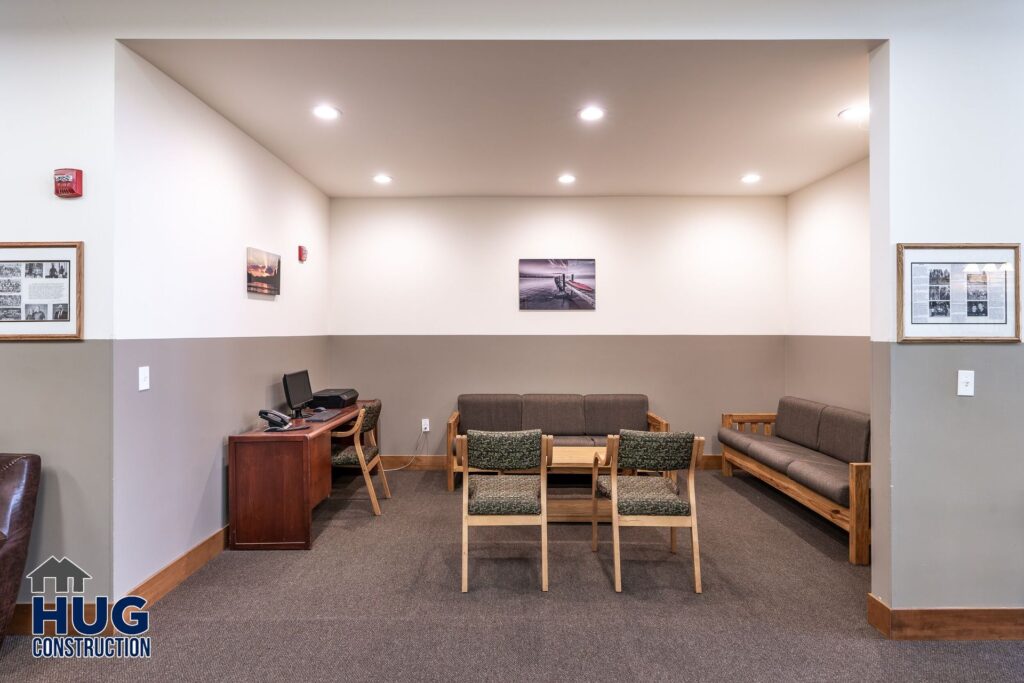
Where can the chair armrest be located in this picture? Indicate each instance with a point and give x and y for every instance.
(348, 433)
(452, 430)
(730, 419)
(656, 424)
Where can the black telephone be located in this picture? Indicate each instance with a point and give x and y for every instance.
(279, 422)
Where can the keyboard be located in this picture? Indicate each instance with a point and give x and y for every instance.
(324, 416)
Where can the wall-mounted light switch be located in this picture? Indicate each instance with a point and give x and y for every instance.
(965, 382)
(143, 378)
(426, 424)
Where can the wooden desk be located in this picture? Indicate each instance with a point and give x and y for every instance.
(275, 479)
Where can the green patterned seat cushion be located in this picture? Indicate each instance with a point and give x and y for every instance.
(503, 450)
(504, 494)
(640, 495)
(346, 457)
(655, 450)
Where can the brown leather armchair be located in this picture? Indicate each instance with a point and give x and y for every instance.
(19, 485)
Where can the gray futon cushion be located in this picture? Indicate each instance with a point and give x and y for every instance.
(490, 412)
(844, 434)
(829, 477)
(797, 421)
(608, 413)
(778, 453)
(556, 414)
(740, 441)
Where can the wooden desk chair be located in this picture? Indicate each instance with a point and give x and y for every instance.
(365, 456)
(511, 497)
(640, 499)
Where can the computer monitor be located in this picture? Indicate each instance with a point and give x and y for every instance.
(297, 390)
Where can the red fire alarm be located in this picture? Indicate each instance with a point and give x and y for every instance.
(303, 254)
(67, 182)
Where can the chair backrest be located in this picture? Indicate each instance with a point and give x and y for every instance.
(504, 450)
(19, 485)
(372, 414)
(662, 451)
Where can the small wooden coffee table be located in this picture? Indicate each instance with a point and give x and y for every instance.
(577, 508)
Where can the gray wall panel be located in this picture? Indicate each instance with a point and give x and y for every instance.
(57, 399)
(957, 477)
(833, 370)
(170, 444)
(690, 380)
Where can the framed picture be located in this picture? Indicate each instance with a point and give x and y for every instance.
(958, 293)
(41, 290)
(557, 284)
(262, 272)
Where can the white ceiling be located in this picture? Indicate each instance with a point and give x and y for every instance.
(499, 117)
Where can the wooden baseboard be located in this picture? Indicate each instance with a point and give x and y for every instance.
(419, 462)
(152, 589)
(954, 623)
(710, 461)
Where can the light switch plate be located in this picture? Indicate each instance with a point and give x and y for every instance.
(143, 378)
(965, 382)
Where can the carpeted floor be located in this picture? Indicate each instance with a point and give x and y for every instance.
(378, 599)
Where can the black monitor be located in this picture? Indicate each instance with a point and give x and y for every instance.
(297, 390)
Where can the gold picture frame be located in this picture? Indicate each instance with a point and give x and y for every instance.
(41, 291)
(952, 289)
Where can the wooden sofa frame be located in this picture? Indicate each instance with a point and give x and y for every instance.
(855, 520)
(654, 424)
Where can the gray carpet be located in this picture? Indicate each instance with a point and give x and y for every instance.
(378, 599)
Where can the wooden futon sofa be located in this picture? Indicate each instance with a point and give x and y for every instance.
(814, 453)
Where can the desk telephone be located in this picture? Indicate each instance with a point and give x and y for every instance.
(279, 422)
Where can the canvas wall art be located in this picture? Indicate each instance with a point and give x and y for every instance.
(262, 272)
(557, 284)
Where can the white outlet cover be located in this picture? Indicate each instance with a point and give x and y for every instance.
(965, 383)
(426, 424)
(143, 378)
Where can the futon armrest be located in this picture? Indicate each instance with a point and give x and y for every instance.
(656, 424)
(730, 419)
(452, 431)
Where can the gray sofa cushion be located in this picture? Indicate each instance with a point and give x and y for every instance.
(844, 434)
(490, 412)
(797, 421)
(778, 453)
(738, 440)
(830, 478)
(556, 414)
(608, 413)
(562, 441)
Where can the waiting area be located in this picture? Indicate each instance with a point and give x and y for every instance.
(543, 341)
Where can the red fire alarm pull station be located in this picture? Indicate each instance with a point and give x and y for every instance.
(303, 254)
(67, 182)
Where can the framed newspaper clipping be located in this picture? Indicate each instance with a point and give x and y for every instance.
(958, 293)
(40, 290)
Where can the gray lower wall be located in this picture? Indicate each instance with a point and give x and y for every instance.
(957, 476)
(833, 370)
(56, 400)
(170, 443)
(690, 380)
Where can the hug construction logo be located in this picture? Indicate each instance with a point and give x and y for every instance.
(75, 633)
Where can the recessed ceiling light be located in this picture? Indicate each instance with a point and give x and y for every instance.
(326, 112)
(591, 112)
(855, 114)
(567, 179)
(751, 178)
(382, 179)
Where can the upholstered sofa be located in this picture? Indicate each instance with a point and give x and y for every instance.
(572, 419)
(19, 484)
(815, 453)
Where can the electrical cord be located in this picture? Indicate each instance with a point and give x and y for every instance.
(421, 442)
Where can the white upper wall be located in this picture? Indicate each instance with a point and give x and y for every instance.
(828, 255)
(665, 265)
(193, 193)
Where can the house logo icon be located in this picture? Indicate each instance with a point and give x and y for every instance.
(67, 577)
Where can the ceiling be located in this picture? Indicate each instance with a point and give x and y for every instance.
(448, 118)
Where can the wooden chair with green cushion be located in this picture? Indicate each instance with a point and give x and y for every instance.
(640, 499)
(516, 496)
(365, 456)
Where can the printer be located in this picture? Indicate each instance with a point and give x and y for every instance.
(334, 398)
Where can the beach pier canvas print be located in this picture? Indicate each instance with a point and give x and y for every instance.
(263, 272)
(557, 284)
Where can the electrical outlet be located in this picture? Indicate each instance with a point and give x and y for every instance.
(426, 424)
(965, 383)
(144, 378)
